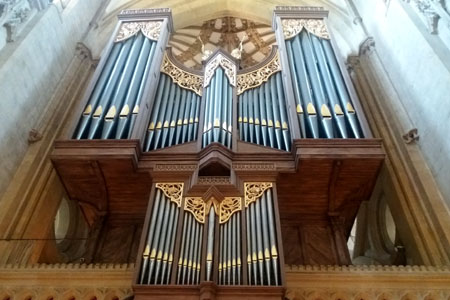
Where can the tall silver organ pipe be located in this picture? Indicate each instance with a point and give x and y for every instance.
(174, 116)
(262, 115)
(159, 245)
(324, 107)
(210, 245)
(262, 247)
(114, 102)
(217, 125)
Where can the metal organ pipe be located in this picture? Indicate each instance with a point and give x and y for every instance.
(174, 113)
(210, 244)
(262, 256)
(319, 89)
(218, 110)
(263, 116)
(114, 102)
(160, 240)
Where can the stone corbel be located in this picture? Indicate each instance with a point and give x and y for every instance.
(367, 47)
(411, 136)
(34, 136)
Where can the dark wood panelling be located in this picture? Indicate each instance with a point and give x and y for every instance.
(317, 180)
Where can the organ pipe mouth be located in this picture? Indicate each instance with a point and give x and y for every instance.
(88, 110)
(325, 111)
(350, 108)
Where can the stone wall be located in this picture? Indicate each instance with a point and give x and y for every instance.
(416, 59)
(31, 66)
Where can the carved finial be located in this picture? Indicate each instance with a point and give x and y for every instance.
(206, 53)
(411, 136)
(34, 136)
(367, 46)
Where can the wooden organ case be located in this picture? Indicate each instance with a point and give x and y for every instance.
(242, 170)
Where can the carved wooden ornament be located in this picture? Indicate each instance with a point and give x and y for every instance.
(174, 191)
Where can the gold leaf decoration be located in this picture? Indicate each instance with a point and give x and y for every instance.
(150, 29)
(226, 64)
(228, 207)
(174, 191)
(181, 77)
(292, 27)
(197, 207)
(257, 77)
(254, 190)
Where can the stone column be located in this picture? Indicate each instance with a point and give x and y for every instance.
(418, 208)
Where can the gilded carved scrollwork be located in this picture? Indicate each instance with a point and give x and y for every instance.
(197, 207)
(181, 77)
(226, 64)
(257, 77)
(292, 27)
(254, 190)
(174, 191)
(228, 207)
(151, 29)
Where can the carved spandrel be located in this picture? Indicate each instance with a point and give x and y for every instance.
(181, 77)
(173, 191)
(228, 207)
(254, 190)
(197, 207)
(292, 27)
(257, 77)
(150, 29)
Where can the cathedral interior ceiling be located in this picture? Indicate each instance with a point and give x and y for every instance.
(189, 17)
(224, 33)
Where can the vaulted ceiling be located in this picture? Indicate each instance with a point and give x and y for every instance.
(191, 17)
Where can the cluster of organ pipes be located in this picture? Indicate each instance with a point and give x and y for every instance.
(323, 102)
(223, 242)
(114, 102)
(189, 263)
(230, 272)
(159, 249)
(174, 117)
(262, 115)
(262, 250)
(218, 110)
(324, 108)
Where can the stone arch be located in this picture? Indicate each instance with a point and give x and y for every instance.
(341, 295)
(363, 296)
(315, 295)
(6, 294)
(410, 296)
(386, 296)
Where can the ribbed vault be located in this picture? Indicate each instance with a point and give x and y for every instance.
(196, 12)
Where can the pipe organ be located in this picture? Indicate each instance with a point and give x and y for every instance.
(235, 165)
(323, 103)
(187, 105)
(238, 236)
(115, 99)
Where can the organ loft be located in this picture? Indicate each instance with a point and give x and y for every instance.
(226, 159)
